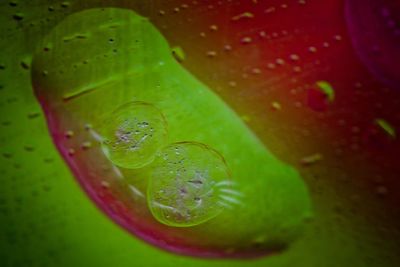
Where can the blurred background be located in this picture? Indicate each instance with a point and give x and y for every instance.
(317, 81)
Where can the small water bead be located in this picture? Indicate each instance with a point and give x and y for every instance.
(178, 53)
(26, 63)
(18, 16)
(227, 48)
(88, 126)
(33, 115)
(243, 15)
(256, 71)
(232, 84)
(133, 134)
(312, 49)
(325, 44)
(214, 28)
(386, 127)
(65, 4)
(13, 3)
(338, 37)
(69, 134)
(294, 57)
(246, 40)
(211, 54)
(327, 89)
(270, 10)
(185, 185)
(276, 105)
(311, 159)
(29, 148)
(280, 61)
(262, 34)
(86, 145)
(320, 96)
(71, 152)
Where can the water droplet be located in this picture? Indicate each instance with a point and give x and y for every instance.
(227, 48)
(325, 44)
(297, 69)
(312, 159)
(33, 115)
(65, 4)
(29, 148)
(26, 63)
(262, 34)
(312, 49)
(232, 84)
(320, 96)
(243, 15)
(246, 40)
(178, 53)
(259, 240)
(133, 133)
(327, 88)
(69, 134)
(105, 184)
(86, 145)
(280, 61)
(88, 126)
(276, 105)
(386, 127)
(211, 54)
(294, 57)
(7, 155)
(214, 28)
(183, 189)
(337, 37)
(71, 152)
(270, 10)
(18, 16)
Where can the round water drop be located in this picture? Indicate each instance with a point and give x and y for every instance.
(133, 133)
(184, 188)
